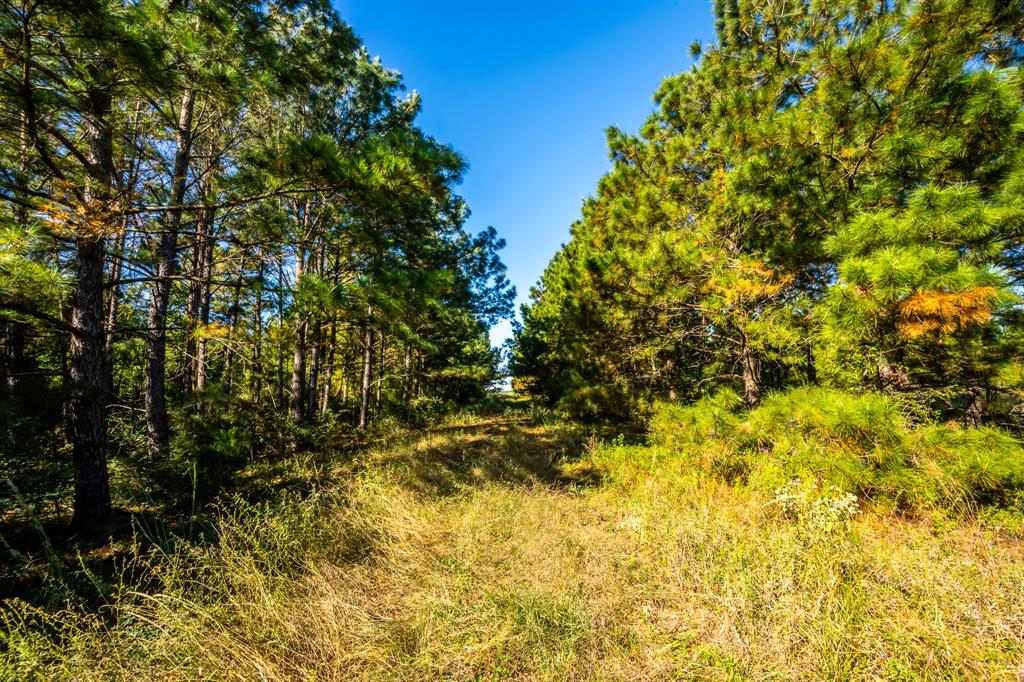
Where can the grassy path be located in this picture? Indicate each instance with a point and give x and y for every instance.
(502, 549)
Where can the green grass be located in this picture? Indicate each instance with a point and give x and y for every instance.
(513, 549)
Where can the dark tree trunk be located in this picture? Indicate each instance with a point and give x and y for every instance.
(88, 369)
(14, 347)
(229, 352)
(157, 428)
(812, 371)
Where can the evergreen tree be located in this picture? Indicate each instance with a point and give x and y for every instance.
(201, 199)
(826, 196)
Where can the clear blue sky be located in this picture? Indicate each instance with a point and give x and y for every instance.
(524, 90)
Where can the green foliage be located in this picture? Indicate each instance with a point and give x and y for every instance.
(829, 194)
(217, 219)
(859, 443)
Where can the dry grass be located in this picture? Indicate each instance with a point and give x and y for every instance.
(485, 551)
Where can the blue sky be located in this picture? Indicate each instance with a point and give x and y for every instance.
(524, 90)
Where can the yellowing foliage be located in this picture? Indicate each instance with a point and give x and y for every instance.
(938, 312)
(749, 281)
(212, 330)
(92, 218)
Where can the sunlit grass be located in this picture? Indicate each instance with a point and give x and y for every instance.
(497, 549)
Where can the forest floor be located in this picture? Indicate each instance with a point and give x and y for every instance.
(504, 547)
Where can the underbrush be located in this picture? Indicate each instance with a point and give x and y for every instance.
(860, 443)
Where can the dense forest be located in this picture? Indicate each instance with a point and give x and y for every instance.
(221, 229)
(766, 406)
(832, 195)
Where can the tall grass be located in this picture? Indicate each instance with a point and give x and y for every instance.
(499, 550)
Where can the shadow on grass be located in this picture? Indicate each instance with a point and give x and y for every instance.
(446, 460)
(437, 461)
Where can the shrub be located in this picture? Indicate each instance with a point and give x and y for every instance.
(860, 443)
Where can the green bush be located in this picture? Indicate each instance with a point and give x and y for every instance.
(860, 443)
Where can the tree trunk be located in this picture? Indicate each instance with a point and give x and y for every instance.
(205, 300)
(298, 403)
(891, 376)
(325, 396)
(229, 351)
(407, 378)
(380, 372)
(344, 386)
(315, 360)
(88, 369)
(14, 346)
(417, 366)
(257, 349)
(198, 289)
(88, 374)
(974, 414)
(280, 324)
(812, 371)
(157, 428)
(114, 295)
(751, 368)
(364, 399)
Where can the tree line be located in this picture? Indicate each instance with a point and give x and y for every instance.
(221, 224)
(832, 194)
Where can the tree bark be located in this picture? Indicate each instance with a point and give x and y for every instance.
(407, 378)
(114, 295)
(198, 295)
(325, 396)
(368, 341)
(297, 405)
(974, 413)
(229, 351)
(157, 428)
(88, 370)
(257, 350)
(280, 324)
(380, 372)
(315, 359)
(812, 371)
(417, 366)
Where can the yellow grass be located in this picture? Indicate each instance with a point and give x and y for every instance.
(496, 550)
